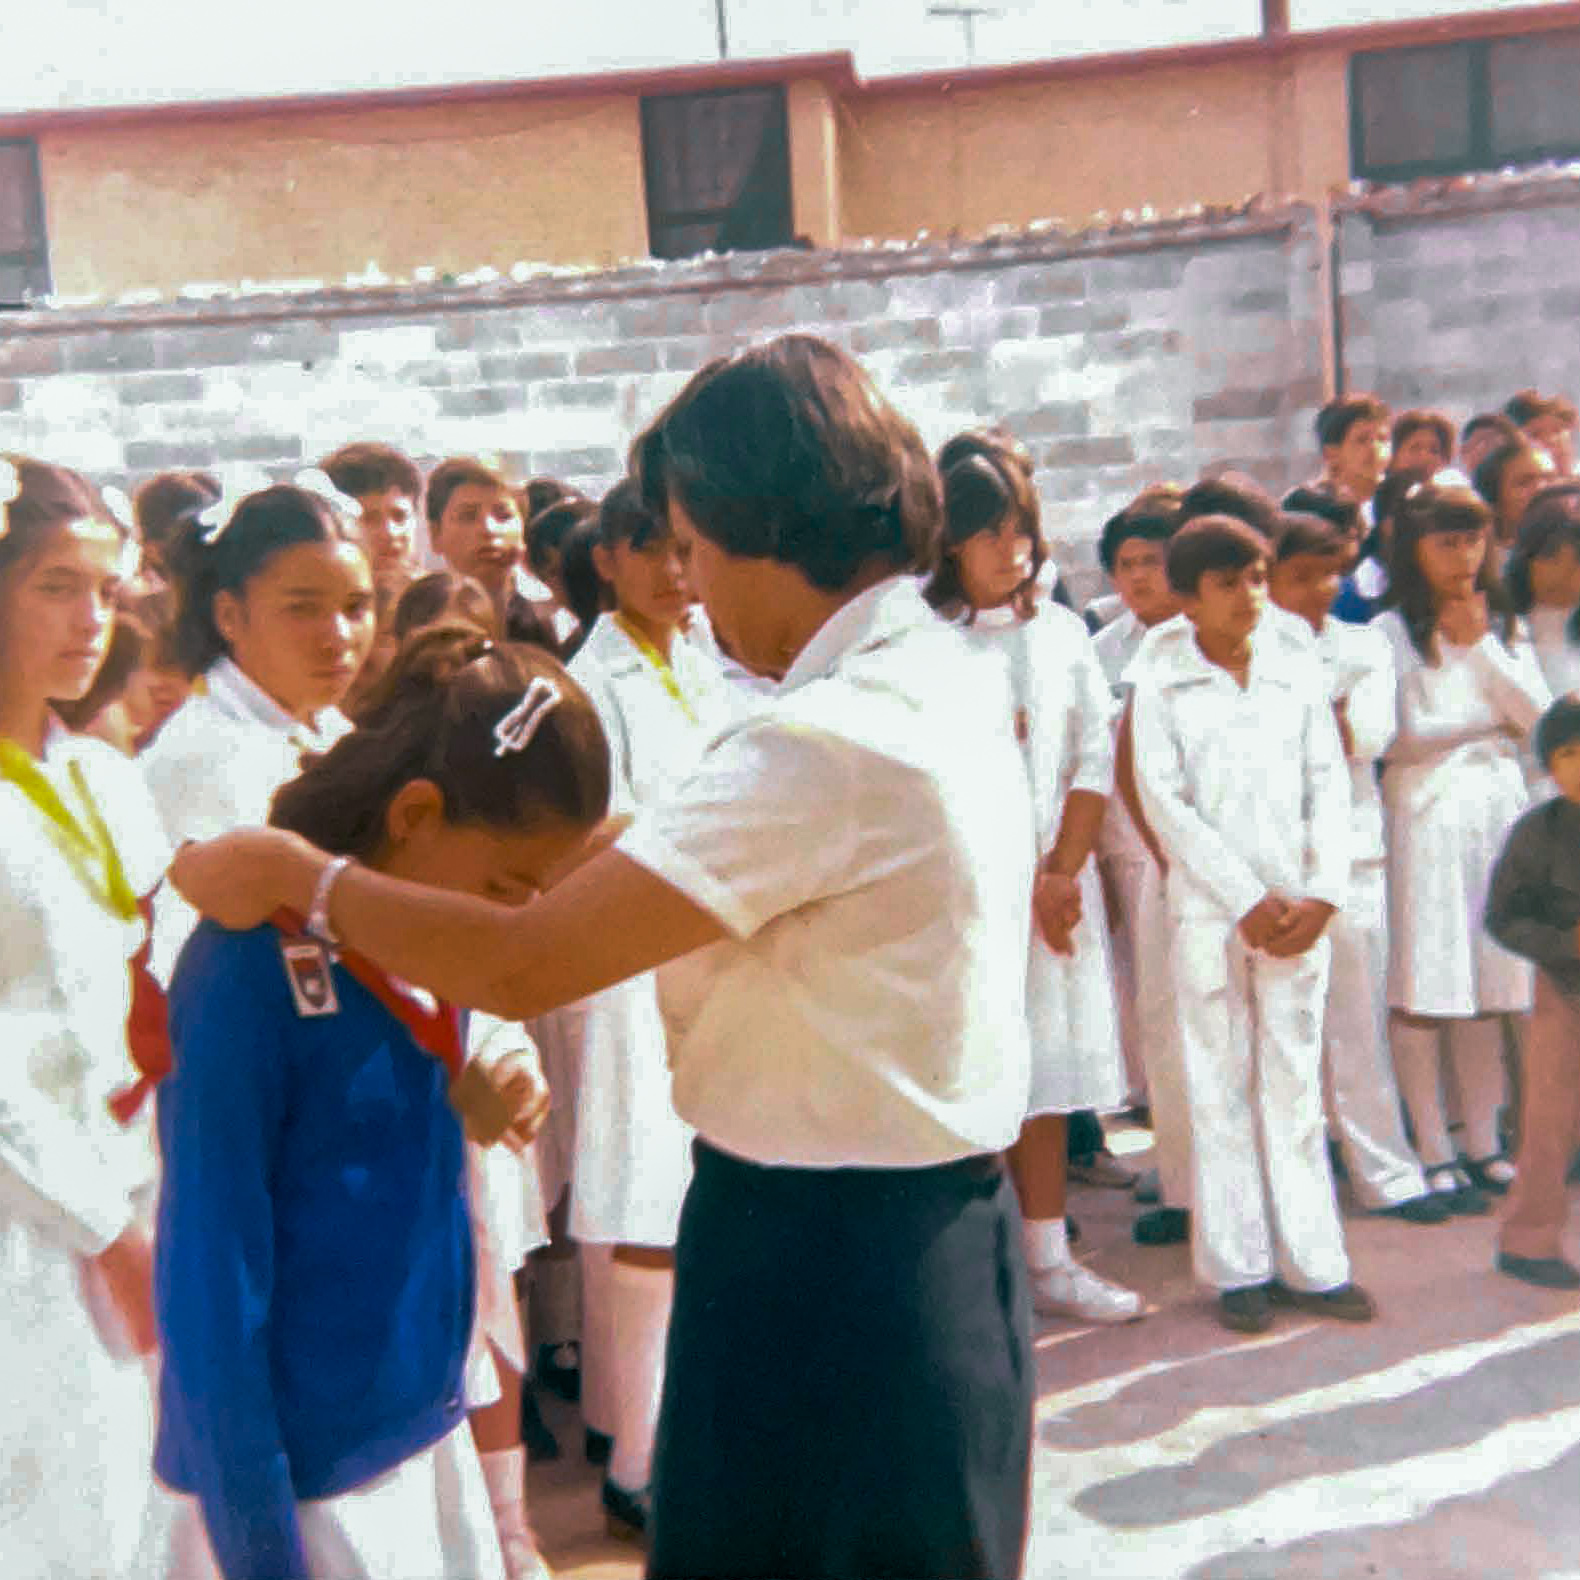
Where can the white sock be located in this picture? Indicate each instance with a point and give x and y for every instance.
(1047, 1242)
(1476, 1047)
(600, 1383)
(505, 1472)
(1416, 1060)
(642, 1298)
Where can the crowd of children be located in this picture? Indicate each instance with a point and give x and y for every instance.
(1274, 846)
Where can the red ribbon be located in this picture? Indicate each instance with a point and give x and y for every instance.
(147, 1027)
(436, 1030)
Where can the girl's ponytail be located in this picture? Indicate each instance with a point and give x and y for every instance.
(442, 713)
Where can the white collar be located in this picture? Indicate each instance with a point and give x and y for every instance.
(239, 697)
(871, 619)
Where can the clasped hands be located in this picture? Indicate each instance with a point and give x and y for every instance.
(1284, 928)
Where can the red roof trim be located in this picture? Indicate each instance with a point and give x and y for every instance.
(836, 68)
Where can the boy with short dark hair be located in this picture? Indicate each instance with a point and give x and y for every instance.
(387, 488)
(1242, 779)
(1548, 421)
(1533, 909)
(1353, 434)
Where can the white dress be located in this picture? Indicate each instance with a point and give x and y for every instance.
(1452, 786)
(1064, 711)
(1556, 652)
(632, 1158)
(76, 1423)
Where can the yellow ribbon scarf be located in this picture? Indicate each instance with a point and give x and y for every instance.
(90, 851)
(666, 674)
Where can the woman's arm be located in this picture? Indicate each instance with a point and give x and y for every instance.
(609, 920)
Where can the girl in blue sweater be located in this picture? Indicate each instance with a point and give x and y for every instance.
(314, 1268)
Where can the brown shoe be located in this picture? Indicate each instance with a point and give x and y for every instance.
(1346, 1302)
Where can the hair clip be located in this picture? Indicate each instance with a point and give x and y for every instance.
(514, 732)
(318, 482)
(10, 490)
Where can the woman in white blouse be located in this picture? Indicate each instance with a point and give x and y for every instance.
(1542, 577)
(843, 888)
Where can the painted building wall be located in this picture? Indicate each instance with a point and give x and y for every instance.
(159, 204)
(454, 187)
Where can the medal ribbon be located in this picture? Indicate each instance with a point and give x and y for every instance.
(436, 1031)
(90, 851)
(666, 673)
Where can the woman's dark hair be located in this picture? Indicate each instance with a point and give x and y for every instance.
(586, 594)
(169, 502)
(1212, 543)
(1551, 519)
(1430, 508)
(546, 528)
(1343, 514)
(538, 493)
(1409, 423)
(1153, 515)
(1231, 494)
(1489, 419)
(433, 716)
(986, 478)
(1489, 475)
(204, 562)
(440, 595)
(625, 517)
(369, 467)
(47, 497)
(127, 653)
(788, 452)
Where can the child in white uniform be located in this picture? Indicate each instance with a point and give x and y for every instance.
(1542, 579)
(1134, 551)
(1242, 780)
(82, 845)
(1470, 691)
(661, 700)
(992, 551)
(1362, 1098)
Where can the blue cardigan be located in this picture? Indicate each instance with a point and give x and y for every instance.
(313, 1273)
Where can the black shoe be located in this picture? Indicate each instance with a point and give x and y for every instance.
(1430, 1208)
(1452, 1184)
(559, 1369)
(1162, 1226)
(1148, 1191)
(1484, 1176)
(540, 1443)
(1549, 1272)
(625, 1513)
(596, 1446)
(1072, 1231)
(1347, 1302)
(1246, 1310)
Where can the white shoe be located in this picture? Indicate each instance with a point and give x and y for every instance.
(1070, 1290)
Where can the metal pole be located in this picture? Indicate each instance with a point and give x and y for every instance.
(721, 25)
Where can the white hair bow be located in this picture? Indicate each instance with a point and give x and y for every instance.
(514, 732)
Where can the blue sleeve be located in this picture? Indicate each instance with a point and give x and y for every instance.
(220, 1114)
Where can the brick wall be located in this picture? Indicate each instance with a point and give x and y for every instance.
(1458, 297)
(1119, 357)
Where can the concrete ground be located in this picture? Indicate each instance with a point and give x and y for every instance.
(1441, 1441)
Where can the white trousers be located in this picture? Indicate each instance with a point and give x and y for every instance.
(1361, 1094)
(1150, 1018)
(1252, 1032)
(427, 1519)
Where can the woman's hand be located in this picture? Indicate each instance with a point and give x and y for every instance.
(241, 879)
(502, 1097)
(1056, 906)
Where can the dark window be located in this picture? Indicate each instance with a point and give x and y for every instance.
(24, 257)
(1479, 104)
(718, 171)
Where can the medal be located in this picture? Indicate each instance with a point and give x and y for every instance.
(308, 971)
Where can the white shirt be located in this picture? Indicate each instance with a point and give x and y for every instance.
(1245, 788)
(67, 1168)
(864, 836)
(1116, 646)
(1556, 652)
(215, 767)
(1358, 663)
